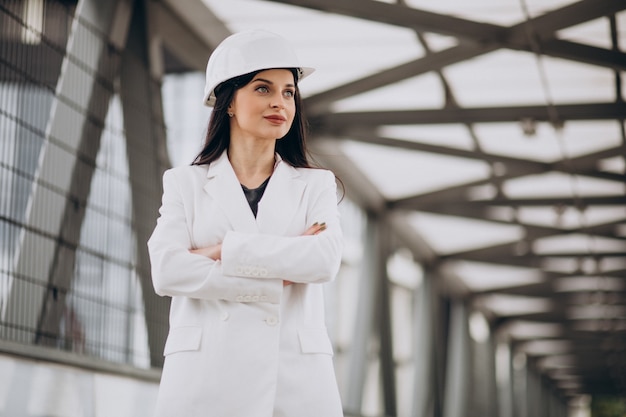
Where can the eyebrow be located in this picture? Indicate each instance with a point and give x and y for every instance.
(270, 82)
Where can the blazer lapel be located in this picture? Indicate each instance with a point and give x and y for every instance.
(280, 200)
(224, 187)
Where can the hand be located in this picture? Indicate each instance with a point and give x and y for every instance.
(315, 229)
(213, 252)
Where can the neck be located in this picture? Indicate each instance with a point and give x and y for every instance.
(252, 164)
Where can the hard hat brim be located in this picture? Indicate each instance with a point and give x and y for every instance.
(209, 98)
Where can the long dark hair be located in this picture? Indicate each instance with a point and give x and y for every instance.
(291, 148)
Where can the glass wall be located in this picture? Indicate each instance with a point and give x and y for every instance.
(68, 277)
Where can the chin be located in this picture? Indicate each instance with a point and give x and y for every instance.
(279, 134)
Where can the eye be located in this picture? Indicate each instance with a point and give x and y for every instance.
(289, 93)
(262, 89)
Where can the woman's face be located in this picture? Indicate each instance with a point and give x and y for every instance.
(265, 107)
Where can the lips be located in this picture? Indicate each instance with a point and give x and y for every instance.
(276, 119)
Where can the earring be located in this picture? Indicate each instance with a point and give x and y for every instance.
(230, 114)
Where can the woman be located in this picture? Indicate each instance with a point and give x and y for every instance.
(246, 236)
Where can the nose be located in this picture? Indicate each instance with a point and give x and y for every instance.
(277, 102)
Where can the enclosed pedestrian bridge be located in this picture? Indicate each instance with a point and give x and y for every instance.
(481, 151)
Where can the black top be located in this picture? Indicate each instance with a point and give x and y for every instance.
(254, 195)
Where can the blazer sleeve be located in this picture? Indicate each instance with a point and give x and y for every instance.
(178, 272)
(302, 259)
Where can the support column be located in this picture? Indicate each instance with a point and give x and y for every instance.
(147, 160)
(504, 378)
(425, 380)
(365, 317)
(457, 379)
(44, 262)
(533, 392)
(521, 385)
(483, 388)
(385, 334)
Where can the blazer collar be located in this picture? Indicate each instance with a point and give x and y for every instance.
(222, 184)
(281, 199)
(277, 206)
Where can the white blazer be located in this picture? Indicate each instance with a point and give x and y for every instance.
(240, 344)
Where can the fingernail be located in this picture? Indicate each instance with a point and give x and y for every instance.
(323, 224)
(315, 224)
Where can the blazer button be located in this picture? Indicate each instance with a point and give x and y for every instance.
(239, 270)
(263, 272)
(224, 316)
(247, 298)
(255, 271)
(263, 298)
(247, 270)
(255, 298)
(271, 321)
(239, 298)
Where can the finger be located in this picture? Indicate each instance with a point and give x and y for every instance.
(313, 229)
(321, 228)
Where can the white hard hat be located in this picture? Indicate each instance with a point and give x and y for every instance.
(246, 52)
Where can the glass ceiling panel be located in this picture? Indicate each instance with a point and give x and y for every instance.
(547, 347)
(398, 173)
(573, 82)
(597, 311)
(577, 243)
(452, 135)
(589, 284)
(509, 305)
(570, 217)
(501, 12)
(479, 276)
(554, 184)
(506, 77)
(539, 7)
(438, 43)
(546, 144)
(616, 164)
(502, 77)
(616, 263)
(589, 265)
(420, 92)
(444, 236)
(599, 325)
(522, 329)
(557, 362)
(596, 32)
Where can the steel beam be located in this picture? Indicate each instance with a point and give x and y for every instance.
(400, 15)
(188, 23)
(146, 150)
(336, 123)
